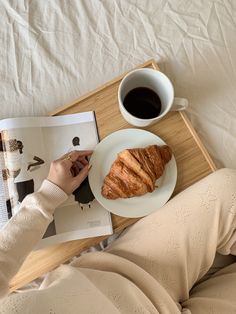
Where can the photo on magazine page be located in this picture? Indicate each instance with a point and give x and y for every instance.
(5, 204)
(25, 161)
(25, 166)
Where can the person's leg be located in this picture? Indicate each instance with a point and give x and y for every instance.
(177, 244)
(215, 295)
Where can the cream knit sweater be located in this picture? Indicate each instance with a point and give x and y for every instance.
(150, 269)
(68, 289)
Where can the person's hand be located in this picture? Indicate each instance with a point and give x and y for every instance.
(69, 171)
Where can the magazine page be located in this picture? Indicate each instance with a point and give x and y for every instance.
(31, 143)
(30, 146)
(73, 222)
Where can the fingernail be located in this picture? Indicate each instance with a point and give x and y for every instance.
(89, 167)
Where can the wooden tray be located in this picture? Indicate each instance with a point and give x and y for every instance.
(193, 160)
(193, 163)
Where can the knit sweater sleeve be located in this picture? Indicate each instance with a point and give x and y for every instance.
(25, 229)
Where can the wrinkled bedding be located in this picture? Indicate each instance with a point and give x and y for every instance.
(52, 52)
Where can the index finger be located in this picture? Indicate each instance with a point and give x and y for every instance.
(76, 154)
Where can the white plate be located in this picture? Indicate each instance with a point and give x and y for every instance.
(102, 159)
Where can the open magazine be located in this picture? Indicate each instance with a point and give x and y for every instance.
(27, 147)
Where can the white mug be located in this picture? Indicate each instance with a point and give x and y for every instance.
(156, 81)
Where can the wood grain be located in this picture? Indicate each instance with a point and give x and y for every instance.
(193, 163)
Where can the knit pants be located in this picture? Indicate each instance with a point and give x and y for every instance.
(177, 245)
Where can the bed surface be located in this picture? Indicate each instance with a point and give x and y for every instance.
(52, 52)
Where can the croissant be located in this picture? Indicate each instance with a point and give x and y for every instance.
(135, 171)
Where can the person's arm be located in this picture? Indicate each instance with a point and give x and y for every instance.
(26, 228)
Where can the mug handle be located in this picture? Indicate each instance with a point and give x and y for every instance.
(179, 104)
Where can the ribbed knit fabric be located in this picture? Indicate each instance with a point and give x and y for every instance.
(154, 267)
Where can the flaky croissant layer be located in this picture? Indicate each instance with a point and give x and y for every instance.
(135, 171)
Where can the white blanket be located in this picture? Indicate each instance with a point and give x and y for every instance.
(52, 52)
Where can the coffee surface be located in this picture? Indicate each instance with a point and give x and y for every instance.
(143, 103)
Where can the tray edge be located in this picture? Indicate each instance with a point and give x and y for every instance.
(64, 107)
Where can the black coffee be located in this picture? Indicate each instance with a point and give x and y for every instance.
(142, 102)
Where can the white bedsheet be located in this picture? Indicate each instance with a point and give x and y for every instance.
(52, 52)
